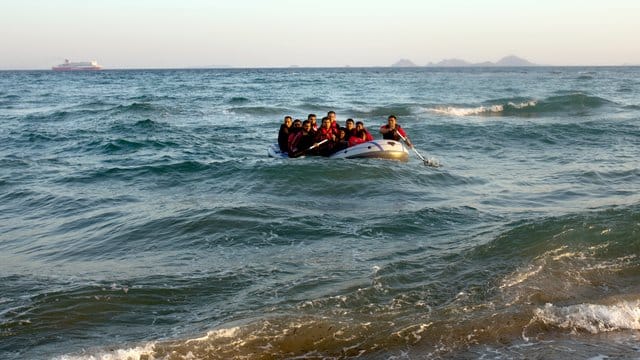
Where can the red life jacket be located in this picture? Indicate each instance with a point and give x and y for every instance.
(368, 135)
(354, 140)
(324, 133)
(393, 136)
(293, 139)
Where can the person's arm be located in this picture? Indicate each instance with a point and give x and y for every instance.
(401, 131)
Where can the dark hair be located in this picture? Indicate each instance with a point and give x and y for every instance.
(331, 112)
(297, 121)
(360, 122)
(392, 117)
(349, 120)
(306, 122)
(310, 116)
(288, 117)
(325, 118)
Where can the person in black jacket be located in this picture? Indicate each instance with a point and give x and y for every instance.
(283, 134)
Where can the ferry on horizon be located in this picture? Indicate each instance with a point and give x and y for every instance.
(76, 66)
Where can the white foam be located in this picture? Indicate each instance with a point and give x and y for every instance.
(217, 334)
(119, 354)
(594, 318)
(520, 276)
(490, 109)
(456, 111)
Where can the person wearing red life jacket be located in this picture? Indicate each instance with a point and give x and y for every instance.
(293, 131)
(304, 141)
(360, 127)
(326, 132)
(332, 117)
(391, 130)
(361, 135)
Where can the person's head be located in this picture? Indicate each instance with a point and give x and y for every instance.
(312, 118)
(306, 125)
(297, 123)
(288, 120)
(391, 120)
(350, 124)
(359, 126)
(326, 122)
(342, 133)
(331, 115)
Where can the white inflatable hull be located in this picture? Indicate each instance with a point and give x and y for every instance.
(274, 152)
(376, 149)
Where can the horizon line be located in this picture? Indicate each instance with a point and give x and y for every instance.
(230, 67)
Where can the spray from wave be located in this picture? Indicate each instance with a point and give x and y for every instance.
(497, 109)
(592, 318)
(569, 104)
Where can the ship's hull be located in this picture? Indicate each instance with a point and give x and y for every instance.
(76, 68)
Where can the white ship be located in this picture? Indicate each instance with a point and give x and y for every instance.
(75, 66)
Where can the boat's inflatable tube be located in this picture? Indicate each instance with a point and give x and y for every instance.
(376, 149)
(274, 152)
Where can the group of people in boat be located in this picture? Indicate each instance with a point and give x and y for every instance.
(298, 137)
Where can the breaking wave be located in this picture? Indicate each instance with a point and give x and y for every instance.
(592, 318)
(569, 104)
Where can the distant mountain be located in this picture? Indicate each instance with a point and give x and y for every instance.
(451, 62)
(506, 61)
(513, 60)
(403, 63)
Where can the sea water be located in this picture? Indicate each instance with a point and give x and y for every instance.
(140, 217)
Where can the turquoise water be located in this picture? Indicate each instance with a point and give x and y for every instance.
(141, 218)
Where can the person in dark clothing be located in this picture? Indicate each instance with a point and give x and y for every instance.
(342, 141)
(283, 134)
(314, 125)
(350, 128)
(392, 130)
(304, 141)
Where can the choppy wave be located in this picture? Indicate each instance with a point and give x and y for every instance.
(384, 111)
(498, 109)
(142, 218)
(139, 127)
(238, 100)
(569, 104)
(592, 318)
(572, 273)
(258, 110)
(118, 146)
(135, 108)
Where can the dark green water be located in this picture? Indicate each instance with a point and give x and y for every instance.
(141, 218)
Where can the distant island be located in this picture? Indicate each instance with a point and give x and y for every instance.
(506, 61)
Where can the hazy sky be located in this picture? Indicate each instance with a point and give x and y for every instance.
(271, 33)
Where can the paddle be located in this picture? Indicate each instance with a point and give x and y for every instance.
(301, 152)
(425, 161)
(317, 144)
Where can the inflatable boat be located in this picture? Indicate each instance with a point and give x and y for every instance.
(376, 149)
